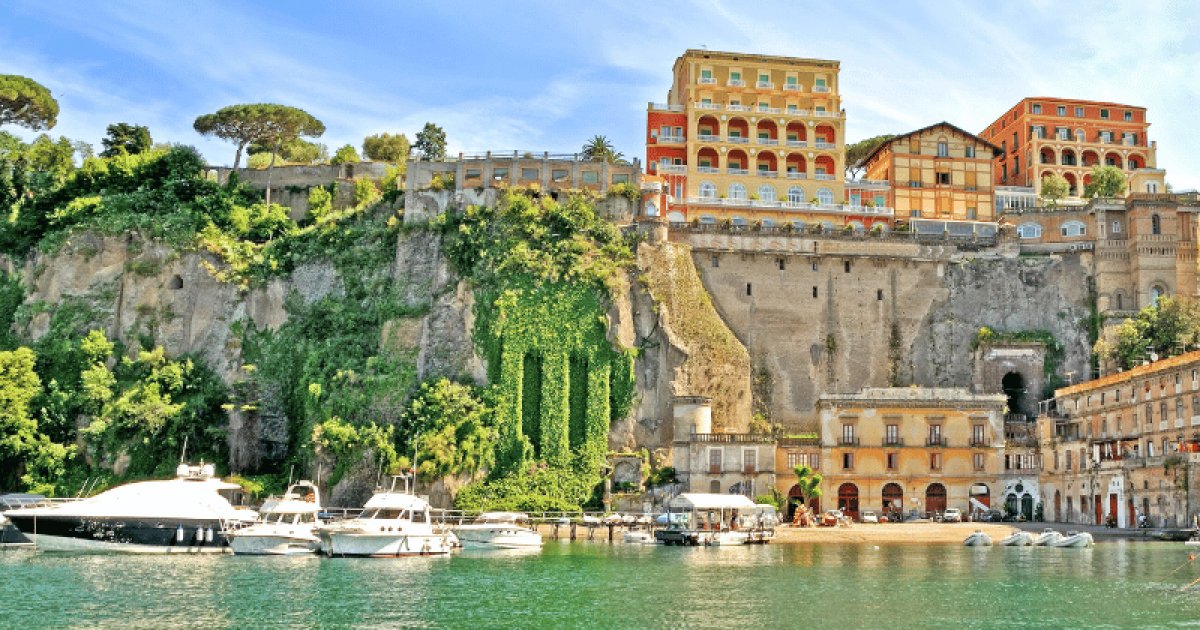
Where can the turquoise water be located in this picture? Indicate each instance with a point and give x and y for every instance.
(597, 585)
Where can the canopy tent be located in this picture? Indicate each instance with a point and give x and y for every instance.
(702, 501)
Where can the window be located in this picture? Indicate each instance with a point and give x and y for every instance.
(879, 295)
(1061, 133)
(764, 78)
(735, 76)
(501, 173)
(847, 434)
(473, 173)
(795, 194)
(892, 460)
(1068, 460)
(790, 81)
(892, 435)
(935, 435)
(716, 261)
(814, 292)
(935, 461)
(1079, 112)
(1062, 110)
(706, 74)
(708, 190)
(749, 289)
(815, 266)
(1037, 108)
(749, 460)
(766, 192)
(591, 177)
(977, 434)
(1016, 164)
(847, 461)
(1073, 228)
(714, 460)
(737, 191)
(978, 460)
(846, 266)
(825, 196)
(1116, 227)
(1104, 114)
(1106, 137)
(972, 213)
(969, 151)
(880, 201)
(943, 150)
(1029, 230)
(914, 145)
(944, 178)
(820, 85)
(529, 173)
(1128, 115)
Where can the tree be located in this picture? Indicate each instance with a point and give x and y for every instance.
(808, 482)
(386, 147)
(452, 430)
(1166, 328)
(345, 155)
(267, 124)
(296, 151)
(125, 138)
(1054, 188)
(27, 103)
(1107, 181)
(27, 455)
(431, 142)
(859, 151)
(599, 149)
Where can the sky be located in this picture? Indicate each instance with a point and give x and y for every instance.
(546, 76)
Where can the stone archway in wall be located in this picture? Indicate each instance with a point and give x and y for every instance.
(848, 500)
(935, 498)
(1014, 387)
(1012, 368)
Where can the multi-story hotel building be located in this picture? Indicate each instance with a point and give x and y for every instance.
(749, 138)
(938, 172)
(1041, 135)
(911, 449)
(1125, 446)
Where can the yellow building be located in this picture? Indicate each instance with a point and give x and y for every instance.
(938, 172)
(911, 449)
(750, 138)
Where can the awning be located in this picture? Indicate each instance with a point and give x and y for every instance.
(980, 489)
(701, 501)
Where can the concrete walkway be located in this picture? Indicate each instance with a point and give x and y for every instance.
(1098, 532)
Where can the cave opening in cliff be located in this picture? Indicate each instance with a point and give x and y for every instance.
(1013, 385)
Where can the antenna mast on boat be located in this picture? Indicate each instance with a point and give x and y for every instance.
(183, 453)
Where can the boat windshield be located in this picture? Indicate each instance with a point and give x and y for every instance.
(292, 517)
(388, 514)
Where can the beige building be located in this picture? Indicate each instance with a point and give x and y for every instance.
(720, 463)
(911, 449)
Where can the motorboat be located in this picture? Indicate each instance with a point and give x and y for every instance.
(710, 519)
(1075, 539)
(1047, 538)
(1018, 539)
(1194, 541)
(192, 513)
(498, 530)
(287, 525)
(978, 539)
(394, 523)
(638, 537)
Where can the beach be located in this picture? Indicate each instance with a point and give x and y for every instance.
(890, 533)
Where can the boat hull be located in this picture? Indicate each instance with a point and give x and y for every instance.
(1019, 539)
(352, 545)
(1047, 540)
(273, 545)
(119, 535)
(483, 539)
(1076, 541)
(978, 540)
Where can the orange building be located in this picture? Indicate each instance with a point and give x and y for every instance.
(748, 138)
(1041, 135)
(937, 172)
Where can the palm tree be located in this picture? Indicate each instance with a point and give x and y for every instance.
(599, 149)
(809, 483)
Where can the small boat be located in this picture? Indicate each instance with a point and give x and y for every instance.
(1075, 539)
(498, 530)
(638, 537)
(1018, 539)
(1047, 538)
(978, 539)
(191, 513)
(1194, 541)
(394, 523)
(287, 525)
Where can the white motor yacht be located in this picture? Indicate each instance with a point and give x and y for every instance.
(978, 539)
(1075, 539)
(1047, 538)
(394, 523)
(189, 514)
(498, 530)
(287, 525)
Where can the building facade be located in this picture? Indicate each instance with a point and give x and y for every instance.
(719, 463)
(1125, 446)
(1043, 135)
(752, 138)
(938, 172)
(911, 449)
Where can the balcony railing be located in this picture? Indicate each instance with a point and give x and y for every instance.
(765, 85)
(737, 108)
(796, 175)
(935, 441)
(738, 171)
(794, 205)
(769, 141)
(824, 114)
(769, 110)
(797, 143)
(664, 107)
(980, 442)
(791, 87)
(796, 112)
(821, 144)
(703, 105)
(708, 170)
(730, 438)
(676, 169)
(823, 176)
(893, 441)
(708, 137)
(762, 173)
(671, 140)
(821, 89)
(848, 441)
(707, 81)
(736, 83)
(738, 140)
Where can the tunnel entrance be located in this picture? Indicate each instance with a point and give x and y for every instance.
(1013, 385)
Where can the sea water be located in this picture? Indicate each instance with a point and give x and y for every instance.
(601, 585)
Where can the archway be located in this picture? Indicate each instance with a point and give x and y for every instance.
(1048, 156)
(793, 501)
(935, 498)
(1027, 506)
(1011, 503)
(893, 498)
(848, 500)
(1013, 385)
(980, 498)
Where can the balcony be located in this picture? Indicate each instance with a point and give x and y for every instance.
(796, 175)
(836, 209)
(765, 85)
(749, 469)
(797, 143)
(791, 87)
(848, 441)
(824, 114)
(703, 105)
(821, 144)
(736, 83)
(797, 112)
(935, 441)
(877, 184)
(737, 171)
(769, 110)
(733, 438)
(708, 137)
(706, 81)
(708, 170)
(769, 141)
(674, 169)
(893, 441)
(821, 89)
(671, 140)
(762, 173)
(738, 140)
(663, 107)
(980, 442)
(737, 108)
(823, 177)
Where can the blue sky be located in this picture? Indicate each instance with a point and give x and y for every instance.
(549, 75)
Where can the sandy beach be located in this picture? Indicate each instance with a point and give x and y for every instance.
(890, 533)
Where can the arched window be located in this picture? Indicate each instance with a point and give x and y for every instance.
(768, 223)
(708, 190)
(766, 192)
(675, 217)
(651, 209)
(737, 191)
(1073, 228)
(795, 194)
(1156, 293)
(857, 226)
(1029, 230)
(708, 219)
(825, 196)
(1155, 224)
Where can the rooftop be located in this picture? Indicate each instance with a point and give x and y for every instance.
(735, 56)
(1121, 377)
(946, 396)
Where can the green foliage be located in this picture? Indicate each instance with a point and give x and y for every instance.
(626, 190)
(12, 294)
(386, 147)
(1055, 354)
(348, 443)
(1165, 329)
(266, 124)
(858, 151)
(365, 192)
(27, 103)
(1054, 188)
(345, 155)
(262, 161)
(808, 482)
(27, 456)
(1107, 181)
(125, 138)
(442, 181)
(599, 149)
(533, 490)
(320, 203)
(452, 430)
(294, 151)
(431, 142)
(661, 477)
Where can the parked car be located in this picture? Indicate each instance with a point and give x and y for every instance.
(869, 517)
(952, 515)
